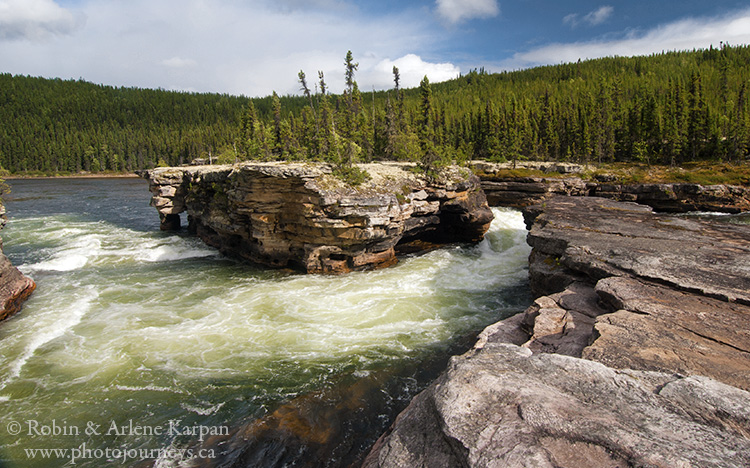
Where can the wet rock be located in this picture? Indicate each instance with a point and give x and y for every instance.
(15, 288)
(299, 216)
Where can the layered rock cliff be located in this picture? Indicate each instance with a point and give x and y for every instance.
(635, 353)
(300, 216)
(15, 288)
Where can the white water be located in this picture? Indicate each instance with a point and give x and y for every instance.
(130, 324)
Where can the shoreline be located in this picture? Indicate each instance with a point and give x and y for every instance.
(124, 175)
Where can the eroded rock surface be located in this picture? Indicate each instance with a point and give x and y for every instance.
(636, 352)
(300, 216)
(502, 406)
(596, 238)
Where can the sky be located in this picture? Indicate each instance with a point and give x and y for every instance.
(255, 47)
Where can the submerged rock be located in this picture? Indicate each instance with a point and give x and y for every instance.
(294, 215)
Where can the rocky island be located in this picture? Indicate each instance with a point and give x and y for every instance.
(300, 216)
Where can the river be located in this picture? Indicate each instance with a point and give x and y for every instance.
(138, 341)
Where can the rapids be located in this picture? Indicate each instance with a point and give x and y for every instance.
(130, 326)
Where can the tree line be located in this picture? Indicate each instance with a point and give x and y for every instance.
(668, 108)
(58, 125)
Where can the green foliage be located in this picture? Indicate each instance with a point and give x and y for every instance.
(68, 126)
(4, 187)
(666, 109)
(351, 175)
(704, 173)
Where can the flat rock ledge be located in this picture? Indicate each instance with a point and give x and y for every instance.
(15, 288)
(295, 215)
(636, 352)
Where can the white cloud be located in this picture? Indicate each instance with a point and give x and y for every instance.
(411, 70)
(251, 47)
(571, 19)
(599, 15)
(35, 19)
(686, 34)
(455, 11)
(593, 18)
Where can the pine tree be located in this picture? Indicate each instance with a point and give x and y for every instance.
(430, 158)
(306, 90)
(247, 131)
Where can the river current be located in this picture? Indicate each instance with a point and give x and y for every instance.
(136, 340)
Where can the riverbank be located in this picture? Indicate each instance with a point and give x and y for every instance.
(703, 173)
(533, 182)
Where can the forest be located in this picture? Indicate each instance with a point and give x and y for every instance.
(669, 108)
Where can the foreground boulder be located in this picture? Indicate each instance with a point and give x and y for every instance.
(636, 352)
(300, 216)
(500, 405)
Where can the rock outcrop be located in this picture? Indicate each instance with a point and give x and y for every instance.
(299, 216)
(15, 288)
(594, 238)
(635, 353)
(500, 405)
(521, 192)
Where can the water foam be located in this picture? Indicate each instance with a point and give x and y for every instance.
(242, 325)
(50, 326)
(202, 411)
(183, 336)
(74, 253)
(150, 388)
(167, 253)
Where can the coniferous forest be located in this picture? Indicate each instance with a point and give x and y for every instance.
(668, 108)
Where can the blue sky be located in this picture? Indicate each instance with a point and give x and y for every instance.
(253, 47)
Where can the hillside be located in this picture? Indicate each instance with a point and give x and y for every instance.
(71, 126)
(669, 108)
